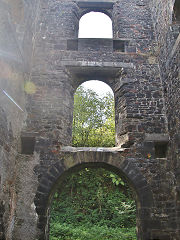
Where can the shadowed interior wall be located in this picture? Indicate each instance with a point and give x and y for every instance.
(17, 26)
(167, 30)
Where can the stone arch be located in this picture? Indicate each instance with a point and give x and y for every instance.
(104, 78)
(113, 77)
(74, 160)
(95, 71)
(101, 89)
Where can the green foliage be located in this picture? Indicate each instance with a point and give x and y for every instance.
(93, 199)
(84, 232)
(116, 179)
(93, 120)
(93, 204)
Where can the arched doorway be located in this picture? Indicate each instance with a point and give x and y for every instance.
(76, 159)
(93, 203)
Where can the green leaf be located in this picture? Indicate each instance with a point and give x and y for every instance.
(93, 119)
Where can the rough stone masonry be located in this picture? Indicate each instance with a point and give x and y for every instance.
(42, 62)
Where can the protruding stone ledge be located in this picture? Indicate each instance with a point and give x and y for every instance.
(92, 149)
(97, 64)
(86, 70)
(101, 44)
(156, 137)
(108, 4)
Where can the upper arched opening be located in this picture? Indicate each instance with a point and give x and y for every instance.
(95, 25)
(94, 115)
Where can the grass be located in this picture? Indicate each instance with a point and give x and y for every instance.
(69, 232)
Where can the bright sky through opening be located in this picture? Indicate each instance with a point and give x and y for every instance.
(95, 25)
(99, 87)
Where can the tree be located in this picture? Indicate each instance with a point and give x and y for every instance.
(93, 121)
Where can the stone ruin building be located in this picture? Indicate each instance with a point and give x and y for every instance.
(42, 62)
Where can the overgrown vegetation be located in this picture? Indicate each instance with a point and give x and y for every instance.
(93, 204)
(84, 232)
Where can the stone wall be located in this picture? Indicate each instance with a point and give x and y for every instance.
(43, 63)
(58, 71)
(167, 30)
(17, 23)
(135, 79)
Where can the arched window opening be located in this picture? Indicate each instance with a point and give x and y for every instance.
(93, 203)
(176, 12)
(95, 25)
(93, 117)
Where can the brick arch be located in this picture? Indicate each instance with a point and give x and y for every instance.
(71, 162)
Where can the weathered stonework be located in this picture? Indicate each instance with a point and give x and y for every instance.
(42, 62)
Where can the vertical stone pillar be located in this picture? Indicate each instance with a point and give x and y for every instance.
(52, 99)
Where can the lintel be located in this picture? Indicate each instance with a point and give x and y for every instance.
(108, 4)
(95, 70)
(155, 137)
(92, 149)
(97, 64)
